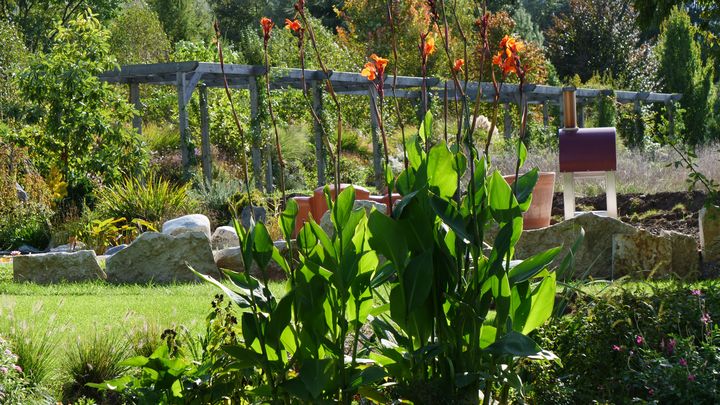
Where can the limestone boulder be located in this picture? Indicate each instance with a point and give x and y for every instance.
(258, 214)
(685, 255)
(594, 257)
(224, 237)
(641, 255)
(56, 267)
(326, 222)
(709, 220)
(114, 249)
(69, 247)
(188, 223)
(161, 258)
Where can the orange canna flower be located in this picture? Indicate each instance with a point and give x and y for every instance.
(267, 26)
(458, 65)
(380, 63)
(429, 48)
(497, 59)
(369, 71)
(293, 25)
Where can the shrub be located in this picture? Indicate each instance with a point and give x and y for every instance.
(217, 199)
(152, 199)
(616, 346)
(93, 361)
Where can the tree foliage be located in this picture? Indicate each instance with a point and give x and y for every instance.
(36, 19)
(188, 20)
(682, 70)
(593, 36)
(13, 56)
(137, 36)
(85, 134)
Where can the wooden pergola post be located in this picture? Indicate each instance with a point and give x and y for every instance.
(185, 144)
(135, 101)
(546, 118)
(375, 134)
(317, 105)
(671, 117)
(581, 115)
(254, 147)
(205, 135)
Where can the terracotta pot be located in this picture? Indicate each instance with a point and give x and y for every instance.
(540, 211)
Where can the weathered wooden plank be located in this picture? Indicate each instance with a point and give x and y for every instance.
(135, 101)
(317, 106)
(205, 135)
(185, 152)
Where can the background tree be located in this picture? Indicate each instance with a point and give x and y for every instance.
(188, 20)
(137, 36)
(36, 19)
(13, 57)
(593, 36)
(682, 70)
(84, 132)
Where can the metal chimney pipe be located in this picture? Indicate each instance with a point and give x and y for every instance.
(569, 108)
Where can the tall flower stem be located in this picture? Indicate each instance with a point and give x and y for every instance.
(274, 122)
(239, 127)
(393, 35)
(300, 7)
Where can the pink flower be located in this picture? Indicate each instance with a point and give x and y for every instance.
(17, 368)
(691, 377)
(616, 348)
(4, 370)
(651, 392)
(683, 362)
(639, 340)
(705, 318)
(671, 346)
(696, 293)
(15, 253)
(8, 352)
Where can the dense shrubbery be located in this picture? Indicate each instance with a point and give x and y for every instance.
(655, 342)
(14, 388)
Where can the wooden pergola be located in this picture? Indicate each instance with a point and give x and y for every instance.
(188, 76)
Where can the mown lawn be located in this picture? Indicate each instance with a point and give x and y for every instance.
(66, 313)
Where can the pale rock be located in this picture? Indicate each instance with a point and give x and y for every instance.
(187, 223)
(641, 255)
(231, 259)
(56, 267)
(161, 258)
(69, 247)
(594, 258)
(709, 220)
(685, 257)
(224, 237)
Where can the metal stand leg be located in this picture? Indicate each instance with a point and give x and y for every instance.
(611, 194)
(569, 195)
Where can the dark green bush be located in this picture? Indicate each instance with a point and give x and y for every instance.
(615, 346)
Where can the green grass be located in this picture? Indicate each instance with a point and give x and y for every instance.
(78, 311)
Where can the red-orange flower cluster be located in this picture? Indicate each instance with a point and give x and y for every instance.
(429, 47)
(295, 26)
(267, 26)
(508, 58)
(459, 63)
(374, 69)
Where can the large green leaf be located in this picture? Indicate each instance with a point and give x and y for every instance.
(450, 215)
(241, 301)
(441, 171)
(425, 131)
(342, 208)
(531, 266)
(417, 280)
(514, 344)
(503, 205)
(287, 219)
(385, 238)
(316, 375)
(262, 249)
(541, 307)
(280, 318)
(525, 185)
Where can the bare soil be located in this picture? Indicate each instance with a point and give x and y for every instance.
(673, 211)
